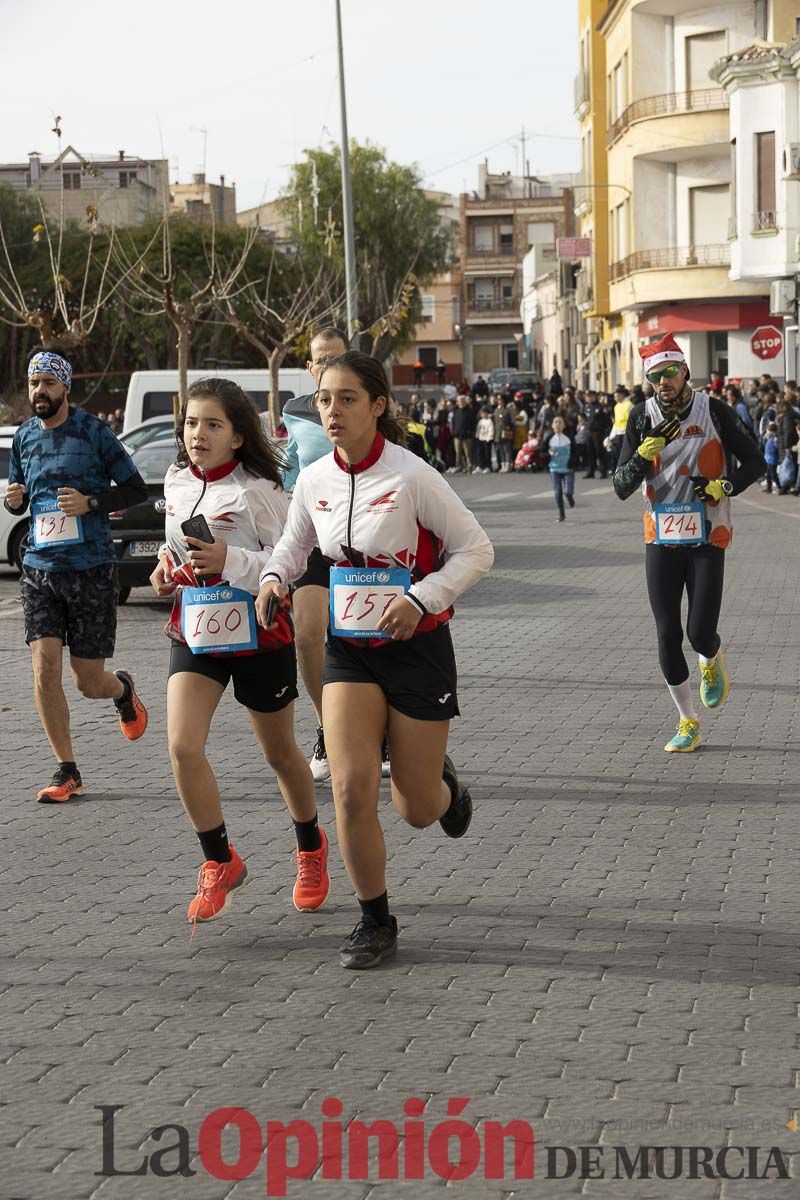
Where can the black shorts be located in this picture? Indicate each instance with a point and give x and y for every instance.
(417, 677)
(262, 682)
(79, 607)
(317, 571)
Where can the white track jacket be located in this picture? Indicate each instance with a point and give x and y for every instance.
(392, 509)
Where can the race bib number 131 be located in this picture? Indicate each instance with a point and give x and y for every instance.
(218, 620)
(51, 527)
(361, 595)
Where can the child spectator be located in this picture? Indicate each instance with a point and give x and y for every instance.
(485, 437)
(559, 448)
(772, 456)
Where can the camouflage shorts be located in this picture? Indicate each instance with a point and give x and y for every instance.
(79, 607)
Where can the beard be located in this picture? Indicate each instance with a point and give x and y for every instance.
(44, 414)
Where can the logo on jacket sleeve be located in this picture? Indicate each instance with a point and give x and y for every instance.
(323, 506)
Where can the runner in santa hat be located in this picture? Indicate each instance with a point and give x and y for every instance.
(689, 453)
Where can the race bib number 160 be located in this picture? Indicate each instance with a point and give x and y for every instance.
(218, 620)
(361, 595)
(51, 527)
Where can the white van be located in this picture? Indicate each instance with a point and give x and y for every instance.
(150, 392)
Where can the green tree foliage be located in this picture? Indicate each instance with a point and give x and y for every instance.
(401, 241)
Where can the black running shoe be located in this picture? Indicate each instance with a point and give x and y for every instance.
(64, 784)
(455, 821)
(386, 766)
(368, 945)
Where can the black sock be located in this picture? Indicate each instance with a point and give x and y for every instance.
(378, 909)
(70, 768)
(308, 834)
(126, 694)
(214, 843)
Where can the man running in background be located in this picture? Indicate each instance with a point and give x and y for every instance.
(689, 453)
(63, 462)
(310, 603)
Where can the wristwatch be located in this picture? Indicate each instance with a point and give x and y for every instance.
(94, 504)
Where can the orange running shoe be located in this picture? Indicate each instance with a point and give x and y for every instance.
(132, 713)
(215, 882)
(65, 783)
(313, 883)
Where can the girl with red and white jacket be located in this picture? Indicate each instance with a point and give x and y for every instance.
(402, 548)
(227, 473)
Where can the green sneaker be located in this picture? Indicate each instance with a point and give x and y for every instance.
(714, 683)
(687, 737)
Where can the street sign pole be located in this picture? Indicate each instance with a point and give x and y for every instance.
(347, 195)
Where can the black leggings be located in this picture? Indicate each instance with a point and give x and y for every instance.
(701, 570)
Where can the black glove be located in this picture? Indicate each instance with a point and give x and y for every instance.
(668, 429)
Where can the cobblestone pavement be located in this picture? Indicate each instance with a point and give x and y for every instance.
(611, 954)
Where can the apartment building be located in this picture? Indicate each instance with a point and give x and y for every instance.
(436, 338)
(204, 202)
(763, 87)
(500, 223)
(552, 324)
(119, 189)
(596, 363)
(669, 177)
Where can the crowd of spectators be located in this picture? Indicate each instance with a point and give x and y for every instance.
(471, 430)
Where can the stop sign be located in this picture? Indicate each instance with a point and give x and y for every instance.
(767, 341)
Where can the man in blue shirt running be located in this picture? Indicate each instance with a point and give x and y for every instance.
(63, 462)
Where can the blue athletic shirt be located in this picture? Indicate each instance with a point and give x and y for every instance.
(306, 441)
(81, 453)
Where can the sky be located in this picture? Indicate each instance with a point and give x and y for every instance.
(440, 83)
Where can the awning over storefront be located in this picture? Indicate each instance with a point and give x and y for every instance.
(696, 318)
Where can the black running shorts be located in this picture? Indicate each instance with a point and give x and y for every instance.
(418, 677)
(317, 571)
(79, 607)
(264, 682)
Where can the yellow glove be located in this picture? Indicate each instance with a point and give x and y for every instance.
(712, 489)
(652, 446)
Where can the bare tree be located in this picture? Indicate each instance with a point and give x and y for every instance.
(186, 297)
(277, 316)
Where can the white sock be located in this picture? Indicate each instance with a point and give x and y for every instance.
(682, 695)
(707, 662)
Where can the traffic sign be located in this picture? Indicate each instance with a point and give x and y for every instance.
(767, 341)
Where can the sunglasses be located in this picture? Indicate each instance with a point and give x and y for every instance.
(667, 373)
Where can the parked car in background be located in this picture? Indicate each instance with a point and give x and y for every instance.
(13, 530)
(150, 393)
(498, 377)
(520, 385)
(139, 531)
(157, 429)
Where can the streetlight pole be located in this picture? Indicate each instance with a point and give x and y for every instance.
(347, 194)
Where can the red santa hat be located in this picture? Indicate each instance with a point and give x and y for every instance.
(666, 349)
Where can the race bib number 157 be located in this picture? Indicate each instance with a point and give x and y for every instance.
(51, 527)
(361, 595)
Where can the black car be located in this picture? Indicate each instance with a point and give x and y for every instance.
(520, 386)
(139, 531)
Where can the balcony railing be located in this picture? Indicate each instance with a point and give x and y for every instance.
(581, 90)
(485, 251)
(665, 105)
(488, 304)
(765, 222)
(716, 255)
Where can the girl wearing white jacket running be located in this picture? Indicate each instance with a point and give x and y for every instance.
(227, 474)
(402, 548)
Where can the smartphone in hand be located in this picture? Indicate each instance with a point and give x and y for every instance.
(197, 527)
(272, 604)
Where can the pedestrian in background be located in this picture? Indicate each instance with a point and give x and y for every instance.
(559, 449)
(485, 437)
(772, 456)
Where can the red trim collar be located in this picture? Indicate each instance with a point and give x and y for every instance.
(216, 472)
(366, 463)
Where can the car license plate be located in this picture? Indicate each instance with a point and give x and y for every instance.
(144, 549)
